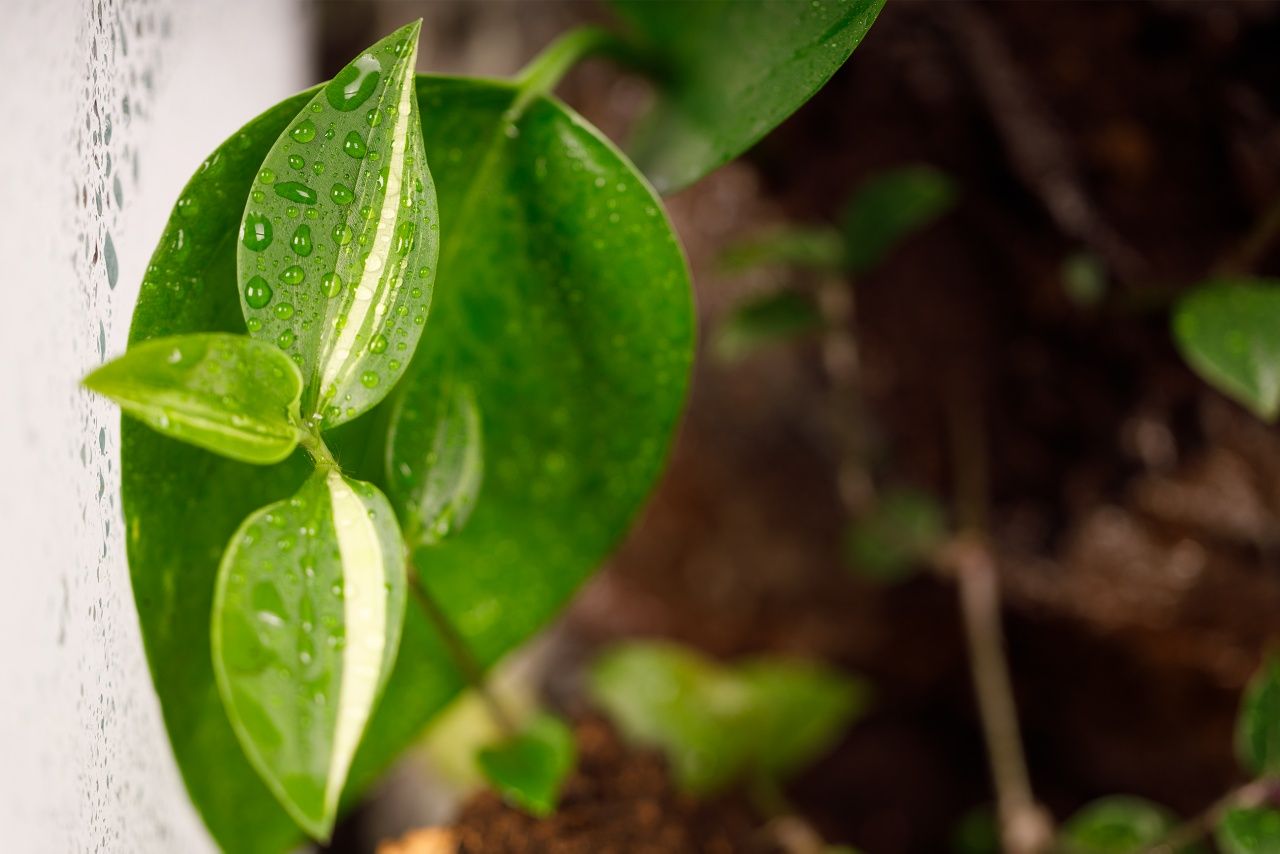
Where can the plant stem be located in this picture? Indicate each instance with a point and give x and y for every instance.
(314, 445)
(1251, 794)
(544, 71)
(1025, 827)
(462, 657)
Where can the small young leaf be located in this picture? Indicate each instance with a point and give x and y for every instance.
(765, 320)
(729, 72)
(1249, 831)
(890, 206)
(800, 710)
(1119, 824)
(339, 239)
(1258, 726)
(224, 393)
(717, 725)
(530, 769)
(888, 542)
(813, 248)
(438, 491)
(306, 623)
(1226, 330)
(1084, 279)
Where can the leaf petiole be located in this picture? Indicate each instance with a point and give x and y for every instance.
(545, 71)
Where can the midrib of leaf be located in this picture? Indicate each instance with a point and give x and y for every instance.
(202, 416)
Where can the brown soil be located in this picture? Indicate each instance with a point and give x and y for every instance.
(1134, 512)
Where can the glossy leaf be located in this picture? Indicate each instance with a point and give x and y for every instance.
(1119, 824)
(728, 72)
(1258, 726)
(339, 237)
(765, 320)
(225, 393)
(529, 769)
(575, 333)
(813, 248)
(718, 725)
(888, 207)
(306, 623)
(895, 536)
(438, 489)
(1226, 330)
(1249, 831)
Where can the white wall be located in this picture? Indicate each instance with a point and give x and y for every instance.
(106, 107)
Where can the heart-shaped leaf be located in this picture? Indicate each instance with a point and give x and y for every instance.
(439, 491)
(718, 725)
(226, 393)
(339, 238)
(574, 331)
(1226, 330)
(1249, 831)
(530, 768)
(1119, 824)
(729, 72)
(306, 624)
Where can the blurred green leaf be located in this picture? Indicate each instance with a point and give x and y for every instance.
(888, 207)
(306, 624)
(1084, 279)
(439, 488)
(1226, 331)
(1258, 725)
(225, 393)
(1118, 824)
(765, 320)
(718, 725)
(1249, 831)
(529, 769)
(977, 832)
(895, 536)
(728, 72)
(813, 248)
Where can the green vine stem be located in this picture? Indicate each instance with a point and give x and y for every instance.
(545, 71)
(1252, 794)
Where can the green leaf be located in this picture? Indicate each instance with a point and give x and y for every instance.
(438, 489)
(226, 393)
(765, 320)
(728, 72)
(717, 725)
(1226, 331)
(575, 334)
(306, 623)
(977, 832)
(1258, 726)
(812, 248)
(888, 207)
(1084, 279)
(1119, 824)
(530, 769)
(339, 238)
(1249, 831)
(892, 539)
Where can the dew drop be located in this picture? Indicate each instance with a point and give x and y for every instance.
(354, 146)
(293, 275)
(369, 379)
(304, 132)
(342, 234)
(285, 339)
(341, 194)
(373, 118)
(296, 161)
(354, 84)
(295, 191)
(257, 293)
(284, 310)
(331, 284)
(378, 344)
(301, 241)
(255, 231)
(266, 176)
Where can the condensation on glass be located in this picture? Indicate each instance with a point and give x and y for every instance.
(107, 107)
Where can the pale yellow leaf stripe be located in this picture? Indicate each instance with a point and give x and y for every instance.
(367, 297)
(364, 578)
